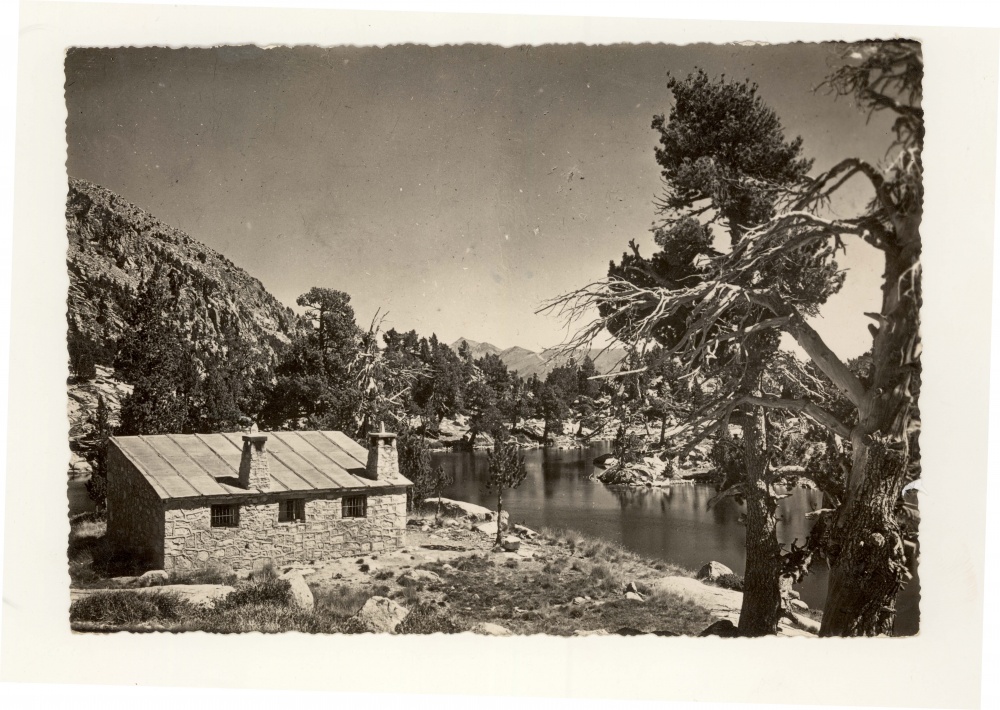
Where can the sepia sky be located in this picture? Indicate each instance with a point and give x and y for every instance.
(455, 187)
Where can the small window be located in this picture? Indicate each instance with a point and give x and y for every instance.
(292, 511)
(225, 516)
(354, 507)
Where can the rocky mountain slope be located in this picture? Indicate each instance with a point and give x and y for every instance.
(113, 250)
(528, 362)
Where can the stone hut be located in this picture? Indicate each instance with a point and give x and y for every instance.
(179, 502)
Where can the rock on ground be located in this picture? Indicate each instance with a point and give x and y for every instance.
(489, 529)
(511, 543)
(490, 629)
(153, 576)
(526, 533)
(381, 615)
(712, 571)
(204, 596)
(725, 604)
(302, 596)
(419, 575)
(721, 603)
(462, 509)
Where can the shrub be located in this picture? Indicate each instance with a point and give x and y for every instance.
(626, 447)
(266, 591)
(342, 601)
(265, 618)
(730, 581)
(426, 619)
(122, 608)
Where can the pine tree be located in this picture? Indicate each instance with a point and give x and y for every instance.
(506, 472)
(159, 365)
(99, 431)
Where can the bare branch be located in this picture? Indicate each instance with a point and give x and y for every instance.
(805, 406)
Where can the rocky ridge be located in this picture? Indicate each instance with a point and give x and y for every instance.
(115, 247)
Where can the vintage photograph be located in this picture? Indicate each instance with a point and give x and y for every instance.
(560, 339)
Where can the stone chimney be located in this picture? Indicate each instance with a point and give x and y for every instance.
(383, 460)
(255, 473)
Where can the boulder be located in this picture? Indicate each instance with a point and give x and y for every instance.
(490, 629)
(419, 575)
(525, 532)
(721, 603)
(798, 605)
(511, 543)
(634, 596)
(456, 508)
(591, 632)
(630, 587)
(723, 627)
(504, 517)
(603, 459)
(380, 615)
(153, 576)
(712, 571)
(489, 529)
(302, 596)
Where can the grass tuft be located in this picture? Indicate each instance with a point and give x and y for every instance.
(342, 601)
(268, 591)
(426, 619)
(121, 608)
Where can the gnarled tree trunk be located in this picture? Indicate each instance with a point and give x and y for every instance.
(870, 560)
(866, 550)
(761, 584)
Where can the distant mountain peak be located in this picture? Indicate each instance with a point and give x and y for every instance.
(527, 362)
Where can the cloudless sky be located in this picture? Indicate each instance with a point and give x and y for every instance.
(455, 187)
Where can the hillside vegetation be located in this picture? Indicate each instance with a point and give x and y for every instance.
(115, 248)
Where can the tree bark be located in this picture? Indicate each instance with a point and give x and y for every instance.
(865, 549)
(761, 584)
(870, 559)
(663, 429)
(499, 540)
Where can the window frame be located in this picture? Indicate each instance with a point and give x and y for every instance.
(349, 507)
(297, 507)
(231, 519)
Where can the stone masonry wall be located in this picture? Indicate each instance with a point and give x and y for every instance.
(192, 542)
(135, 513)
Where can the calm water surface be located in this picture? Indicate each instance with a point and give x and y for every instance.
(672, 524)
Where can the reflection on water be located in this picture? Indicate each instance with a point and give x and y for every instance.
(672, 524)
(79, 499)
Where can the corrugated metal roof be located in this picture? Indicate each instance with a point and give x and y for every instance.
(199, 465)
